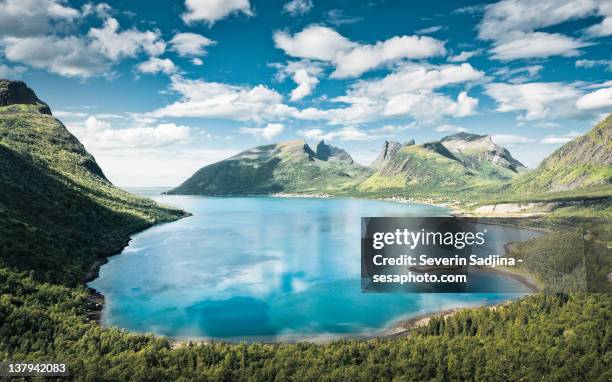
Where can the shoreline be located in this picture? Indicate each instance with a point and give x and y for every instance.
(96, 301)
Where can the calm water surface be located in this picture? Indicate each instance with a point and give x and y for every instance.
(264, 268)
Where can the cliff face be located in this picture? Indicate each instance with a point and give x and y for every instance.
(18, 93)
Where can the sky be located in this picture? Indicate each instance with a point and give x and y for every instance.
(156, 90)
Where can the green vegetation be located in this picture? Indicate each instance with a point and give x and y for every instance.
(289, 167)
(59, 214)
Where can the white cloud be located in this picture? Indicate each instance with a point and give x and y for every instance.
(604, 28)
(211, 11)
(464, 56)
(594, 63)
(219, 100)
(349, 133)
(28, 18)
(298, 7)
(9, 72)
(519, 75)
(537, 45)
(508, 16)
(304, 73)
(414, 77)
(450, 129)
(98, 134)
(409, 91)
(156, 65)
(537, 100)
(69, 56)
(559, 139)
(314, 42)
(190, 44)
(512, 26)
(128, 43)
(433, 29)
(350, 58)
(268, 132)
(598, 99)
(510, 139)
(75, 55)
(306, 84)
(196, 61)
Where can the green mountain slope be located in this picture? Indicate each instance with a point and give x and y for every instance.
(584, 162)
(58, 212)
(455, 162)
(480, 153)
(282, 167)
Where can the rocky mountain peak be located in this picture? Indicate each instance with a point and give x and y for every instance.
(327, 152)
(389, 148)
(474, 147)
(17, 92)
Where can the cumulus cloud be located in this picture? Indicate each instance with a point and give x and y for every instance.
(98, 134)
(298, 7)
(513, 26)
(190, 44)
(211, 11)
(156, 65)
(537, 45)
(218, 100)
(69, 56)
(537, 100)
(349, 133)
(11, 72)
(304, 73)
(408, 92)
(115, 44)
(28, 18)
(464, 56)
(83, 56)
(268, 132)
(598, 99)
(351, 59)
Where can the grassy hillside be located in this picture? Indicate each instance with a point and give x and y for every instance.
(58, 212)
(460, 164)
(582, 163)
(291, 167)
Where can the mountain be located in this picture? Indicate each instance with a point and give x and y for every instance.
(585, 161)
(281, 167)
(479, 152)
(388, 150)
(58, 212)
(456, 161)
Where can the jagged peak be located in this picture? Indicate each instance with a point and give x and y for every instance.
(327, 152)
(18, 93)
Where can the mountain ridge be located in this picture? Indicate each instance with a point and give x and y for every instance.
(72, 211)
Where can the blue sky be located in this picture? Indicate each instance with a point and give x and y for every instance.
(156, 90)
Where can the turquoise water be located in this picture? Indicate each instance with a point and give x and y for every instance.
(263, 268)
